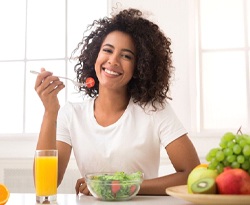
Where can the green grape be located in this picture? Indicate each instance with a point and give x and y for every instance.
(209, 158)
(220, 168)
(234, 151)
(238, 138)
(247, 138)
(229, 136)
(245, 165)
(226, 163)
(228, 151)
(235, 164)
(211, 154)
(211, 166)
(214, 162)
(230, 144)
(242, 142)
(223, 144)
(214, 151)
(240, 159)
(246, 150)
(220, 156)
(237, 149)
(231, 158)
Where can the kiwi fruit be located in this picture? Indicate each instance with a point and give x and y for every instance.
(204, 186)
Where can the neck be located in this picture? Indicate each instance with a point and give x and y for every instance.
(109, 107)
(112, 101)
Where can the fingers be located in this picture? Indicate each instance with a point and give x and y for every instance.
(41, 77)
(42, 69)
(78, 183)
(47, 87)
(84, 189)
(81, 187)
(45, 79)
(46, 83)
(50, 85)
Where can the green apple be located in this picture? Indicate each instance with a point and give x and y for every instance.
(199, 173)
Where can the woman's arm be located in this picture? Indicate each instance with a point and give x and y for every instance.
(183, 157)
(64, 151)
(47, 88)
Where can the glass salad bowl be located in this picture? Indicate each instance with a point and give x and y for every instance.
(115, 186)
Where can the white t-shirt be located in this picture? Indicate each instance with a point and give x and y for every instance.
(131, 144)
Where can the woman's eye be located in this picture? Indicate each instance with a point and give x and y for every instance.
(127, 56)
(107, 50)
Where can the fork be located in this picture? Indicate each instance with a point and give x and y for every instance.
(74, 82)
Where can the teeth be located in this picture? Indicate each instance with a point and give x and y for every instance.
(111, 72)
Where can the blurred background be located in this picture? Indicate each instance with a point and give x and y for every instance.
(210, 89)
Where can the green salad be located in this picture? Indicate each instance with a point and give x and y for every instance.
(115, 186)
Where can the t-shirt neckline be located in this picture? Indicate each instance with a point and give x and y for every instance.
(119, 121)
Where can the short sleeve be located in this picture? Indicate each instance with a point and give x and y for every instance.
(169, 126)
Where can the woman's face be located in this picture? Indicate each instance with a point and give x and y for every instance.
(116, 60)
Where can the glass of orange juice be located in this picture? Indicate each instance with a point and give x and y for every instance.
(46, 169)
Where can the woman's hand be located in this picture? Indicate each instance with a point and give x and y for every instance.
(81, 187)
(47, 87)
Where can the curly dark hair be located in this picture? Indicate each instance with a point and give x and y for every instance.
(153, 69)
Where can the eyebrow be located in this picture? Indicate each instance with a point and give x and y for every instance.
(124, 49)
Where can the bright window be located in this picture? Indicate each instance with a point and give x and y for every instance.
(224, 64)
(35, 34)
(43, 33)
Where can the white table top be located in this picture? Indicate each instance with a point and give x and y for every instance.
(72, 199)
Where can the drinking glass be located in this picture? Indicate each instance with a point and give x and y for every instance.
(46, 169)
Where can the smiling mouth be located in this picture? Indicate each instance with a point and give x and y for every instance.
(111, 72)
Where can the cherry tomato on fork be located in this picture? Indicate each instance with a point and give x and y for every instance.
(90, 82)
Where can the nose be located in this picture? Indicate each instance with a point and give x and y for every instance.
(113, 60)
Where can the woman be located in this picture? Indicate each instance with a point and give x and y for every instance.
(125, 119)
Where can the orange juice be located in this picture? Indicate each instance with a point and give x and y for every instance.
(46, 175)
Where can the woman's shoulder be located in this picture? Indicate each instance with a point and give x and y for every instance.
(164, 112)
(155, 109)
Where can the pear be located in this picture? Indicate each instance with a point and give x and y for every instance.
(233, 181)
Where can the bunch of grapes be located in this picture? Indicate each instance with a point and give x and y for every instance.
(234, 152)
